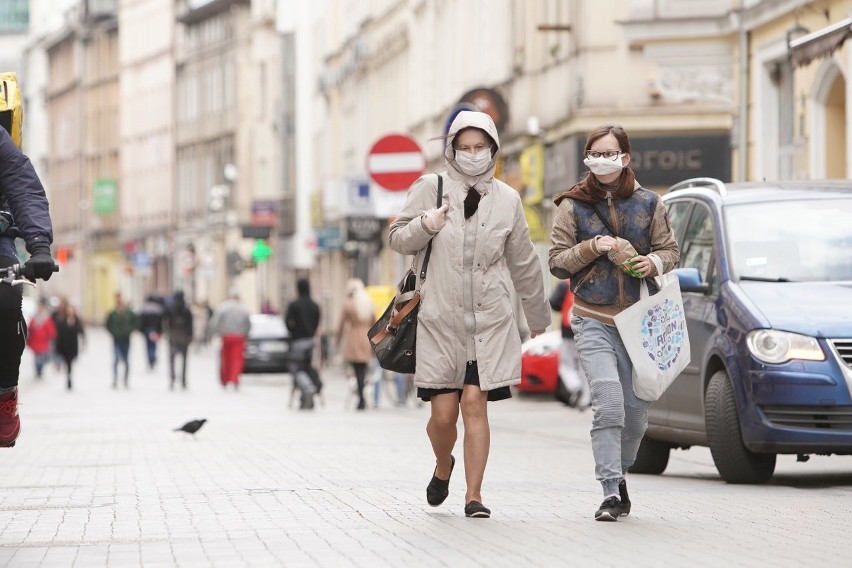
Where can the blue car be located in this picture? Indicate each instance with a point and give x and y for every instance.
(766, 278)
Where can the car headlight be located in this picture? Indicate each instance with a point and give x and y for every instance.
(772, 346)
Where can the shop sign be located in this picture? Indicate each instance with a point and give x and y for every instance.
(363, 229)
(105, 195)
(661, 161)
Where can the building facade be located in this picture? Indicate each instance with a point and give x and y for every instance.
(162, 159)
(145, 186)
(228, 149)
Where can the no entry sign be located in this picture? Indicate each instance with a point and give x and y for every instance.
(395, 162)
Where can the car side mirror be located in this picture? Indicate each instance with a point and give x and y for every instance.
(690, 281)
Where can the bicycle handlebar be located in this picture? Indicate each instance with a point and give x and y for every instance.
(18, 274)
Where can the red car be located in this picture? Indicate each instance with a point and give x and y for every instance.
(540, 365)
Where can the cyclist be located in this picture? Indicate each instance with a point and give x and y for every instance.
(23, 213)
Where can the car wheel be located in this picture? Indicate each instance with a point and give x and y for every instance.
(653, 457)
(735, 462)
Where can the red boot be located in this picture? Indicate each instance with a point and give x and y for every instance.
(10, 423)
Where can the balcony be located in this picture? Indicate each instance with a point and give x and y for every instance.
(101, 9)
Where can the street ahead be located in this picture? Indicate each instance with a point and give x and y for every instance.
(99, 478)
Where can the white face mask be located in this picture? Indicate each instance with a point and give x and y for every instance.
(604, 166)
(473, 164)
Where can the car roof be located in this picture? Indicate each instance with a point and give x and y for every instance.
(763, 191)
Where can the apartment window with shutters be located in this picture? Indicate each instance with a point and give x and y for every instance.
(783, 78)
(14, 16)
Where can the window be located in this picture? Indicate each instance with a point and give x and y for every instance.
(14, 16)
(696, 249)
(678, 216)
(783, 79)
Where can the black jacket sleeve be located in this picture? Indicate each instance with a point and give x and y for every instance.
(23, 193)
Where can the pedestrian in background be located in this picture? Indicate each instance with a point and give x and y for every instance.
(267, 308)
(357, 315)
(606, 211)
(201, 315)
(68, 336)
(41, 333)
(232, 323)
(59, 304)
(468, 344)
(178, 323)
(570, 374)
(151, 326)
(121, 323)
(302, 320)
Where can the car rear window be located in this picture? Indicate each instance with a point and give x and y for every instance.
(267, 326)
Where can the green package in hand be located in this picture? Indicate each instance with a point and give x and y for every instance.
(628, 267)
(622, 255)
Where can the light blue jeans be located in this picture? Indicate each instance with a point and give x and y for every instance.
(619, 418)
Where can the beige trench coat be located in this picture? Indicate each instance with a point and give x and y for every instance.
(466, 311)
(352, 335)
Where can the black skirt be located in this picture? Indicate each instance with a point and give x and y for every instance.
(471, 377)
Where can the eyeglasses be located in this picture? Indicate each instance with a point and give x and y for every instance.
(608, 154)
(473, 149)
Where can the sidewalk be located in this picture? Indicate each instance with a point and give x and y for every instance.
(99, 478)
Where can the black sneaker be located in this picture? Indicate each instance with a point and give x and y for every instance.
(609, 510)
(477, 510)
(625, 498)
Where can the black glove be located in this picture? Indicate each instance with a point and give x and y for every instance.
(40, 264)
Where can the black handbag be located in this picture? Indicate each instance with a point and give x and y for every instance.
(394, 336)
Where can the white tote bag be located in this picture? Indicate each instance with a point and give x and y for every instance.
(654, 332)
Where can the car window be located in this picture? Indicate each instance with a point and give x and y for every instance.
(678, 213)
(696, 250)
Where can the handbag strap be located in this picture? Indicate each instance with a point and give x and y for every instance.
(607, 225)
(394, 322)
(604, 221)
(429, 246)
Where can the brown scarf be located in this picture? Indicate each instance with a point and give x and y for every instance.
(589, 189)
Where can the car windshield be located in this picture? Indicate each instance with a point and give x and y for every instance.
(269, 327)
(796, 241)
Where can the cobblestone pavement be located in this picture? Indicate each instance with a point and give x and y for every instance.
(99, 478)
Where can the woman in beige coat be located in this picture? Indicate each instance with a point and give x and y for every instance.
(468, 343)
(356, 318)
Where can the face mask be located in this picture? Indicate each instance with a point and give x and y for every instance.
(473, 164)
(604, 166)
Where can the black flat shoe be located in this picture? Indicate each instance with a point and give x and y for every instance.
(477, 510)
(438, 489)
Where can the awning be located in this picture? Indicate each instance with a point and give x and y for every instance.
(821, 43)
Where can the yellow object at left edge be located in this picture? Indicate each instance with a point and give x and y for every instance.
(11, 106)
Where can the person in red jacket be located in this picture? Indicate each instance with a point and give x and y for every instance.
(41, 332)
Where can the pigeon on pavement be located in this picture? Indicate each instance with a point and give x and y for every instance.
(192, 426)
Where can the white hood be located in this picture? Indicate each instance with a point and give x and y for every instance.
(474, 119)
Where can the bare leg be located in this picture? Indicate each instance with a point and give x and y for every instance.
(442, 430)
(477, 439)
